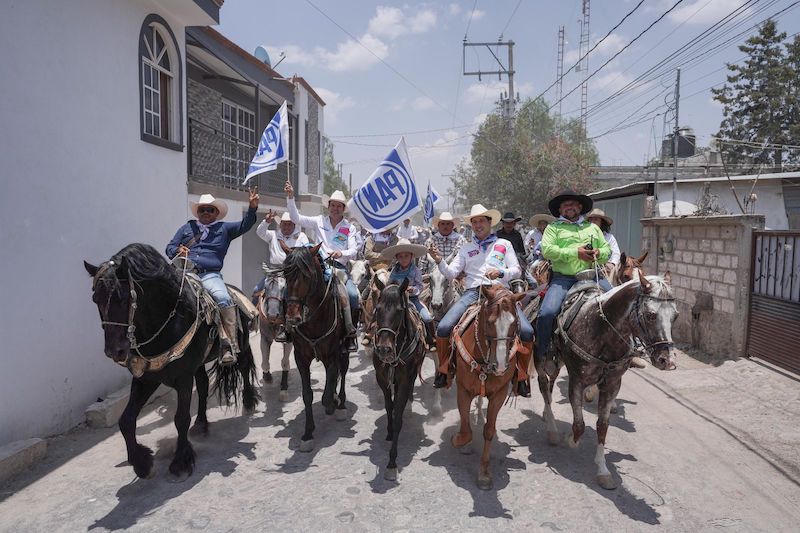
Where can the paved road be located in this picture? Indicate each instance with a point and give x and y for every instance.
(682, 464)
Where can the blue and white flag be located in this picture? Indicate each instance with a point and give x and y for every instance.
(274, 145)
(390, 195)
(430, 200)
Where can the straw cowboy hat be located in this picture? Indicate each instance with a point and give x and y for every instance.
(403, 245)
(444, 217)
(509, 217)
(540, 217)
(337, 196)
(555, 203)
(208, 199)
(478, 210)
(599, 213)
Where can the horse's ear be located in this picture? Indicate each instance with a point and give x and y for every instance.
(286, 249)
(404, 286)
(90, 268)
(641, 259)
(315, 249)
(646, 285)
(668, 277)
(369, 272)
(623, 260)
(379, 284)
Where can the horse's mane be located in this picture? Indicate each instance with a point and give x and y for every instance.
(300, 262)
(391, 296)
(139, 263)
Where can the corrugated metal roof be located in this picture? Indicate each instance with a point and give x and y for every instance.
(639, 186)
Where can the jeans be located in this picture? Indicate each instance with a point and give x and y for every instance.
(421, 309)
(352, 290)
(470, 296)
(213, 283)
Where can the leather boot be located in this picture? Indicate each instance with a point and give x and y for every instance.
(443, 353)
(228, 335)
(524, 354)
(281, 336)
(430, 334)
(347, 317)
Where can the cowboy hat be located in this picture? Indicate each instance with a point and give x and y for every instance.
(207, 199)
(479, 211)
(554, 204)
(535, 219)
(509, 217)
(599, 213)
(404, 245)
(337, 196)
(444, 217)
(286, 218)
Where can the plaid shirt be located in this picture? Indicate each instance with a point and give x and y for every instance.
(448, 247)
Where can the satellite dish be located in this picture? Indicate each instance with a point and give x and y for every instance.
(262, 55)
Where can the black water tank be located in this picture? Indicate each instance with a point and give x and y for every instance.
(686, 144)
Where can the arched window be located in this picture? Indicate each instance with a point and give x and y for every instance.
(160, 84)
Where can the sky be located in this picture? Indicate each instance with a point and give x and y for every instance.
(388, 68)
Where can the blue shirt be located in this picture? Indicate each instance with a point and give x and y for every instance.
(398, 274)
(209, 254)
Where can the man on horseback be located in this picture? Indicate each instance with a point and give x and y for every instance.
(572, 244)
(287, 233)
(205, 242)
(486, 258)
(337, 237)
(446, 239)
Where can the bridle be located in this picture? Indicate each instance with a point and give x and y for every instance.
(401, 337)
(306, 315)
(272, 277)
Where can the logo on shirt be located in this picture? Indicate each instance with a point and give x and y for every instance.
(473, 253)
(498, 256)
(340, 239)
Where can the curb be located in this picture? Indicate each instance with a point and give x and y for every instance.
(106, 413)
(19, 455)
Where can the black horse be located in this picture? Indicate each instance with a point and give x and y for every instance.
(150, 315)
(397, 357)
(313, 319)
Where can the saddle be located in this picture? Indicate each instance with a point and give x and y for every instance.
(210, 309)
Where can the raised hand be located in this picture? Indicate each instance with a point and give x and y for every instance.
(289, 190)
(434, 251)
(270, 216)
(253, 197)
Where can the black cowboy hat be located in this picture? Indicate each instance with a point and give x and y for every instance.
(555, 203)
(509, 217)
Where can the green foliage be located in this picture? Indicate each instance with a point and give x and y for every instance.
(331, 181)
(761, 99)
(520, 168)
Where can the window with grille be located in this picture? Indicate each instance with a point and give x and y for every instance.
(239, 140)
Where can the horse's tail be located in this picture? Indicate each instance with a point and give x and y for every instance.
(233, 381)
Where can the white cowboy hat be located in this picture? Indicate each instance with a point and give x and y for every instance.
(337, 196)
(444, 217)
(208, 199)
(286, 218)
(479, 211)
(599, 213)
(535, 219)
(403, 245)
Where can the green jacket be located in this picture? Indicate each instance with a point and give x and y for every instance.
(561, 241)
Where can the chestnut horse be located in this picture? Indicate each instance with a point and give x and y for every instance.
(485, 356)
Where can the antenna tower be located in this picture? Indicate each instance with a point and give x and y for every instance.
(584, 67)
(560, 69)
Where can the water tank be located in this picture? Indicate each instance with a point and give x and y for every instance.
(262, 55)
(687, 143)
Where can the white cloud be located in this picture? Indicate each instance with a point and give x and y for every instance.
(610, 46)
(454, 9)
(350, 55)
(476, 15)
(613, 81)
(422, 21)
(387, 22)
(335, 103)
(482, 93)
(294, 55)
(703, 12)
(422, 103)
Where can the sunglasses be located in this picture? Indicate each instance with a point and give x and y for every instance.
(210, 210)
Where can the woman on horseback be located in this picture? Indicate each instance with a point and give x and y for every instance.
(599, 218)
(485, 259)
(404, 267)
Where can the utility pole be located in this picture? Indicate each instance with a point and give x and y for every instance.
(675, 141)
(560, 69)
(509, 100)
(350, 186)
(584, 67)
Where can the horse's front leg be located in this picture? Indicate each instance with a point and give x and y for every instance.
(139, 456)
(608, 393)
(182, 464)
(546, 389)
(331, 375)
(246, 365)
(403, 391)
(200, 426)
(576, 401)
(283, 395)
(344, 366)
(464, 435)
(307, 440)
(489, 430)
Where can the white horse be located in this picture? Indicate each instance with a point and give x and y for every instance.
(270, 317)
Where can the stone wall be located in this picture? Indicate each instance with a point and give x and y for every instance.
(204, 110)
(709, 259)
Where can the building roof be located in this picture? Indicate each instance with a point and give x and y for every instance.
(302, 81)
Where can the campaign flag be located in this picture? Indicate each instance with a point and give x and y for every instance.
(274, 145)
(390, 195)
(430, 201)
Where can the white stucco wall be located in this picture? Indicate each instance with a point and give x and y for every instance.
(77, 183)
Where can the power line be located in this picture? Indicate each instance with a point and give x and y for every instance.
(469, 20)
(514, 12)
(397, 134)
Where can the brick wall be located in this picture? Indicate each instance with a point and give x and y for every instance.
(709, 258)
(313, 145)
(204, 111)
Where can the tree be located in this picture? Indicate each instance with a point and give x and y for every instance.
(520, 166)
(331, 180)
(759, 98)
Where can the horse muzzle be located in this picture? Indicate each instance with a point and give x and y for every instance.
(385, 353)
(663, 358)
(118, 355)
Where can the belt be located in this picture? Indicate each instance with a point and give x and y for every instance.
(202, 271)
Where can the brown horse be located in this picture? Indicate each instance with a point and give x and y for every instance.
(313, 312)
(628, 269)
(485, 353)
(597, 346)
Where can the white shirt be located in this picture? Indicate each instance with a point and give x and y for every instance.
(273, 238)
(474, 262)
(407, 232)
(533, 238)
(341, 238)
(612, 242)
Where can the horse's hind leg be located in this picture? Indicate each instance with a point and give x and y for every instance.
(576, 401)
(546, 388)
(464, 435)
(307, 440)
(489, 430)
(182, 464)
(344, 366)
(200, 426)
(329, 393)
(139, 456)
(266, 345)
(284, 394)
(606, 400)
(246, 365)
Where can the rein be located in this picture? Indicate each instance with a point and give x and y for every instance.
(313, 341)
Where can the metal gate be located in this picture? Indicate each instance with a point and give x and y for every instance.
(774, 324)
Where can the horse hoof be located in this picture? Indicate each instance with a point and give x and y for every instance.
(179, 478)
(306, 445)
(606, 481)
(199, 430)
(553, 438)
(485, 483)
(569, 441)
(614, 408)
(390, 474)
(341, 415)
(460, 442)
(283, 396)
